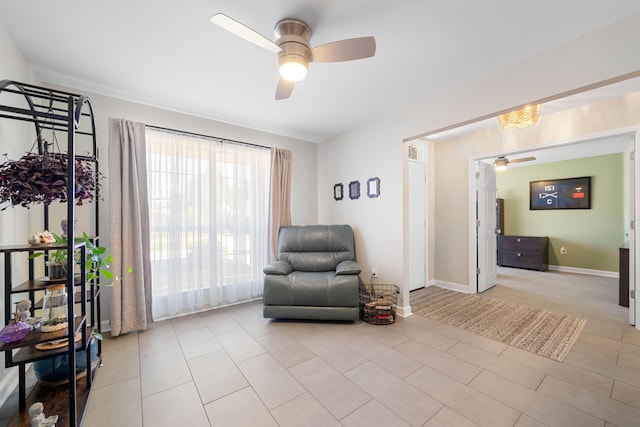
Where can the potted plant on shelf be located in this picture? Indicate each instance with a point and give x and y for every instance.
(97, 261)
(42, 178)
(57, 264)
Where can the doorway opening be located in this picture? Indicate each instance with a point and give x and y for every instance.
(624, 140)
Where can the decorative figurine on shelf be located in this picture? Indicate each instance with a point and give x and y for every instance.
(65, 226)
(38, 419)
(14, 331)
(43, 237)
(23, 308)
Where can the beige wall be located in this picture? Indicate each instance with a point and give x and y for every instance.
(14, 135)
(591, 237)
(376, 148)
(14, 223)
(375, 151)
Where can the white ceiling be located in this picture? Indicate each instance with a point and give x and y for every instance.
(169, 55)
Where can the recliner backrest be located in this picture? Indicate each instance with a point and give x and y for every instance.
(316, 247)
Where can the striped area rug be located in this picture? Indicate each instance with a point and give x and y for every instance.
(541, 332)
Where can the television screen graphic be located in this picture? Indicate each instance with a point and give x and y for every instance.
(570, 193)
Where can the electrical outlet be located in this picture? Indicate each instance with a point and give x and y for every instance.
(563, 250)
(374, 272)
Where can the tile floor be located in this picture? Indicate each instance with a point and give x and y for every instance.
(231, 367)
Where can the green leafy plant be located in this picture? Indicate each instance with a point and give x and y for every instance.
(57, 257)
(97, 261)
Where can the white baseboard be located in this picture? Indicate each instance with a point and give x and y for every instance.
(602, 273)
(449, 285)
(404, 311)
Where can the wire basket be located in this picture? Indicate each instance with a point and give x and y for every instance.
(378, 303)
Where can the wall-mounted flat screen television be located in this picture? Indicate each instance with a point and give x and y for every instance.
(569, 193)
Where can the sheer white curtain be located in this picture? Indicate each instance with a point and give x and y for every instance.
(208, 204)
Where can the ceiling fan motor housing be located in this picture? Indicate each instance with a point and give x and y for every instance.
(292, 36)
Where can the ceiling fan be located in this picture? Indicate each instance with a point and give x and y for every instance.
(294, 50)
(501, 162)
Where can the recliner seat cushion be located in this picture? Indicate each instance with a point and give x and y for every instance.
(319, 289)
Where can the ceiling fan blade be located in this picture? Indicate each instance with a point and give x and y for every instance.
(344, 50)
(284, 89)
(244, 32)
(523, 159)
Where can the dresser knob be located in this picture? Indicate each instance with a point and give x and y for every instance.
(518, 254)
(518, 240)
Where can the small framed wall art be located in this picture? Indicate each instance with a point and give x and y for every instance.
(337, 192)
(354, 190)
(373, 187)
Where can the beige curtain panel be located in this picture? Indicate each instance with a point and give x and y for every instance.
(280, 199)
(129, 226)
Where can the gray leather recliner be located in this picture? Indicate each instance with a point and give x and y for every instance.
(315, 275)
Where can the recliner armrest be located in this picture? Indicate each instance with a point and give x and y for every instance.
(281, 268)
(348, 267)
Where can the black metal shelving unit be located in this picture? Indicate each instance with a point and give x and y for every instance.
(72, 115)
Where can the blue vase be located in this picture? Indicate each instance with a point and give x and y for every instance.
(55, 370)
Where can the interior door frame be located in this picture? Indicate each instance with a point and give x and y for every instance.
(634, 206)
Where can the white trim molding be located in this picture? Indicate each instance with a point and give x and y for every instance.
(450, 285)
(601, 273)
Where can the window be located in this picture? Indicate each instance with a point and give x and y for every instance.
(208, 209)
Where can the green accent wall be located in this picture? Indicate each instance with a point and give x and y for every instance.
(593, 236)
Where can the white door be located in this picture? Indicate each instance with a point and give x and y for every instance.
(486, 191)
(417, 225)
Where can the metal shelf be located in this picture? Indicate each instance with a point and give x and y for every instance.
(72, 114)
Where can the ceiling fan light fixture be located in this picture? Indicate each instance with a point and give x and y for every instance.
(501, 163)
(293, 68)
(294, 51)
(526, 116)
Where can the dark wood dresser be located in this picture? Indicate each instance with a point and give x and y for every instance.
(523, 252)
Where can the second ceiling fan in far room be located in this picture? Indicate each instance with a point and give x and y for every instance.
(294, 49)
(501, 162)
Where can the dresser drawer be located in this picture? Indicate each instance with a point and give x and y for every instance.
(523, 252)
(518, 243)
(519, 260)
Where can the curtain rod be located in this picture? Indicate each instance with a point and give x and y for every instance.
(215, 138)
